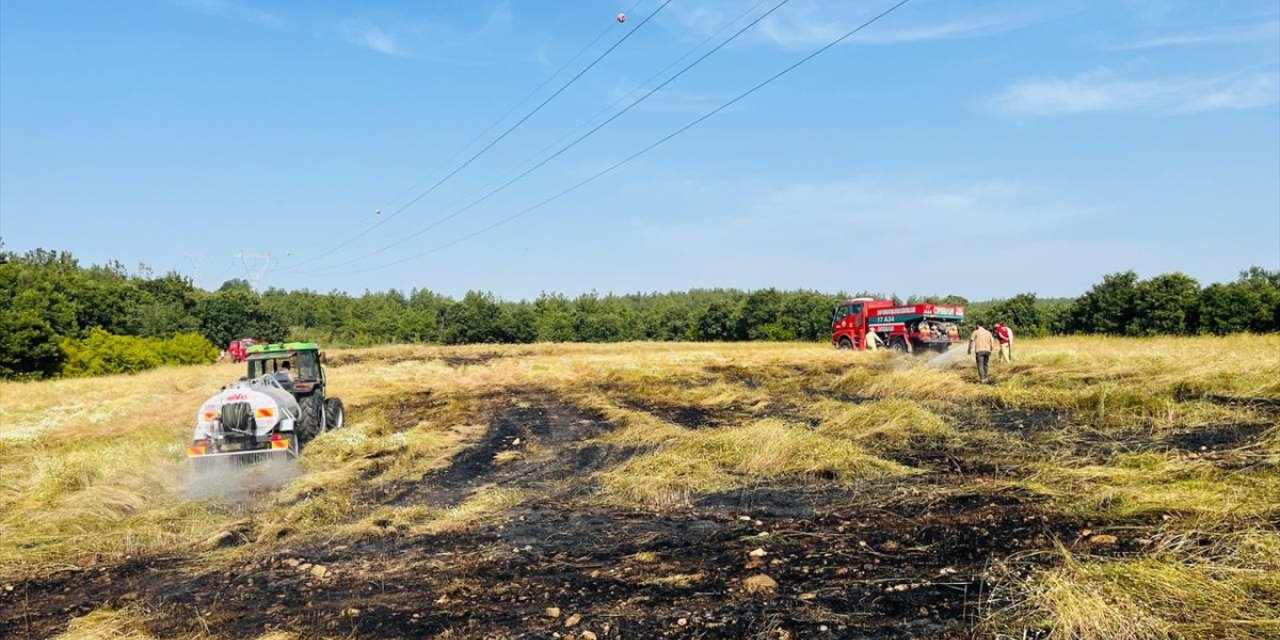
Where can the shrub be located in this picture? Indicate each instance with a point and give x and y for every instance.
(188, 348)
(102, 353)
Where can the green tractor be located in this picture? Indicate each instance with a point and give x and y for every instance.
(282, 404)
(299, 368)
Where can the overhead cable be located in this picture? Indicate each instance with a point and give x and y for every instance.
(641, 152)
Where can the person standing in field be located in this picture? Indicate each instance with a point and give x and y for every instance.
(871, 341)
(1004, 335)
(981, 344)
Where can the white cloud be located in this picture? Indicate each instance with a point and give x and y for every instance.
(908, 234)
(1245, 93)
(805, 29)
(373, 37)
(826, 212)
(441, 40)
(1223, 35)
(543, 58)
(499, 16)
(808, 23)
(1100, 91)
(228, 9)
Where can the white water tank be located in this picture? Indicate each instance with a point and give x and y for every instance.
(271, 405)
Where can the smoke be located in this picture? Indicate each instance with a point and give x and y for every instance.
(945, 359)
(236, 480)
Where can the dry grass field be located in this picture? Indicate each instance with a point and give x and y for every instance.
(1099, 488)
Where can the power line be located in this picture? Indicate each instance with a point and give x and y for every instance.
(643, 151)
(637, 89)
(254, 272)
(565, 148)
(196, 260)
(596, 115)
(509, 111)
(230, 264)
(503, 135)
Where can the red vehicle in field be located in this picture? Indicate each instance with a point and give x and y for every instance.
(904, 328)
(239, 349)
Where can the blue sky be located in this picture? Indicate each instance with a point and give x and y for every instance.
(974, 147)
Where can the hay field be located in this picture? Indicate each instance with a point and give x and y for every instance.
(1099, 488)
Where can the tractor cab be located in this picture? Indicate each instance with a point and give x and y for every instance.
(297, 366)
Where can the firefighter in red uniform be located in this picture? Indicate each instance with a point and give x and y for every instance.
(1005, 336)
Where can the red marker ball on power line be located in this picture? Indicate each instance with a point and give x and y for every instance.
(622, 17)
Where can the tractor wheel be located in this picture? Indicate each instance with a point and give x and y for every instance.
(844, 343)
(335, 415)
(312, 419)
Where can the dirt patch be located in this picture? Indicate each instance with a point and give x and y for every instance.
(899, 569)
(1024, 421)
(345, 359)
(458, 360)
(405, 411)
(689, 417)
(1268, 405)
(737, 374)
(1215, 437)
(534, 441)
(453, 360)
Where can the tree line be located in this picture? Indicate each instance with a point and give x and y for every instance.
(58, 317)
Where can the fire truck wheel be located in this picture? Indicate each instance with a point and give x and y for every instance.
(898, 346)
(844, 344)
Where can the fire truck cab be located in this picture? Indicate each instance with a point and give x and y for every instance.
(903, 328)
(239, 349)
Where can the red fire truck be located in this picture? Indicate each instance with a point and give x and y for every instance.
(904, 328)
(239, 349)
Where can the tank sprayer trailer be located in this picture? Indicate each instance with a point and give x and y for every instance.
(903, 328)
(273, 411)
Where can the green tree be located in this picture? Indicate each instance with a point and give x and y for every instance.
(519, 323)
(163, 319)
(235, 284)
(760, 315)
(1021, 312)
(597, 319)
(553, 315)
(1165, 304)
(29, 347)
(807, 315)
(717, 321)
(473, 320)
(1251, 303)
(237, 313)
(1107, 307)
